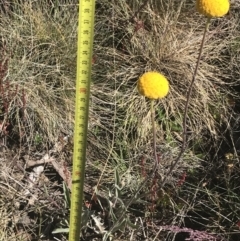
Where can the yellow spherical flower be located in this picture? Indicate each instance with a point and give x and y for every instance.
(213, 8)
(153, 85)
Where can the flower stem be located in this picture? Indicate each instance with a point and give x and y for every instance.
(154, 131)
(184, 145)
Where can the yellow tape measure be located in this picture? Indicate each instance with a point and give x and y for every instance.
(84, 63)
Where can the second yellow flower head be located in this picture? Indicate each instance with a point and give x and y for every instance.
(153, 85)
(213, 8)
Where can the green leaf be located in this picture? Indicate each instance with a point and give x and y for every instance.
(66, 195)
(117, 178)
(130, 224)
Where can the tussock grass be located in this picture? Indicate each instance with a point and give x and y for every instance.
(42, 63)
(39, 39)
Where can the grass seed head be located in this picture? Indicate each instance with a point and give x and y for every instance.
(153, 85)
(213, 8)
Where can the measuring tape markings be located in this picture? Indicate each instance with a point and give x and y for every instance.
(84, 59)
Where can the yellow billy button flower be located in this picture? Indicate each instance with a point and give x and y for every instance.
(213, 8)
(153, 85)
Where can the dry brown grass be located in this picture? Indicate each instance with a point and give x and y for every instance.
(41, 61)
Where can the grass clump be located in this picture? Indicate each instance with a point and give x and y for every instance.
(41, 61)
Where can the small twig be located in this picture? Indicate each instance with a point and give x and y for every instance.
(63, 173)
(45, 159)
